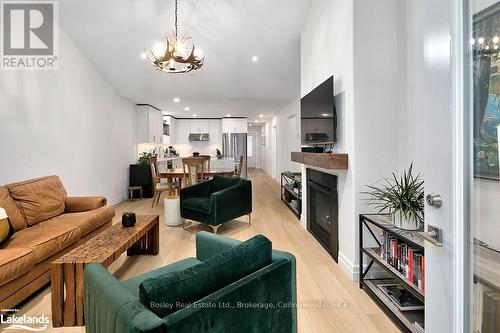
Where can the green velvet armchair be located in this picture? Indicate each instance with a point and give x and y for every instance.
(217, 201)
(262, 300)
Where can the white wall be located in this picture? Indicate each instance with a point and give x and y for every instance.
(258, 146)
(68, 122)
(268, 150)
(327, 49)
(361, 50)
(282, 137)
(411, 63)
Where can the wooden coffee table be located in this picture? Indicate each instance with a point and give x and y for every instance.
(105, 248)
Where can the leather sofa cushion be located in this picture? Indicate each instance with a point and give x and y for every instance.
(198, 204)
(200, 280)
(16, 218)
(44, 239)
(219, 183)
(15, 262)
(39, 199)
(87, 221)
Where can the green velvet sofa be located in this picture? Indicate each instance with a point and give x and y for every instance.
(261, 301)
(217, 201)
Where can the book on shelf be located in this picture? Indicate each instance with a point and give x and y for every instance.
(402, 298)
(407, 260)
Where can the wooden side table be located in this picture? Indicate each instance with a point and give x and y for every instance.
(105, 248)
(131, 190)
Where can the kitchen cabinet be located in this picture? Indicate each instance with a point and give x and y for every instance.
(149, 122)
(182, 132)
(198, 126)
(215, 131)
(234, 125)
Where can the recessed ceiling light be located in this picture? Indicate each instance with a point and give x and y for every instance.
(194, 114)
(250, 125)
(228, 115)
(176, 100)
(255, 58)
(261, 115)
(144, 55)
(256, 121)
(186, 108)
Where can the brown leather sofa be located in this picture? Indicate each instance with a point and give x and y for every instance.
(47, 224)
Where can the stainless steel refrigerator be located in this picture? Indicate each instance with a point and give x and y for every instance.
(234, 145)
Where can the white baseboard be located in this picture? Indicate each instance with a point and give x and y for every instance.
(117, 200)
(348, 267)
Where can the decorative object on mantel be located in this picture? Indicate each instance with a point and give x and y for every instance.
(402, 198)
(218, 154)
(128, 219)
(177, 55)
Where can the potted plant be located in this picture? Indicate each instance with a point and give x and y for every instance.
(144, 159)
(402, 198)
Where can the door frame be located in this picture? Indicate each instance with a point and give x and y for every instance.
(254, 147)
(462, 169)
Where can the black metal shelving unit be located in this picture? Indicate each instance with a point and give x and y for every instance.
(373, 223)
(291, 191)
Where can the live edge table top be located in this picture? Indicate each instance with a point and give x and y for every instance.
(67, 272)
(106, 247)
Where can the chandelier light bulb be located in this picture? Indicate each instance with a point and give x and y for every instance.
(480, 41)
(198, 53)
(472, 41)
(176, 54)
(158, 49)
(496, 39)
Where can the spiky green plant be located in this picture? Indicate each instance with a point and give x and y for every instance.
(144, 159)
(404, 194)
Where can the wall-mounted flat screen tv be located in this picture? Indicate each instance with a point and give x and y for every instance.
(318, 116)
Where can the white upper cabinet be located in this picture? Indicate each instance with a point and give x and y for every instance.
(181, 128)
(234, 125)
(198, 126)
(149, 124)
(182, 132)
(214, 130)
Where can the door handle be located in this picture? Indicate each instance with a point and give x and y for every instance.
(433, 234)
(434, 200)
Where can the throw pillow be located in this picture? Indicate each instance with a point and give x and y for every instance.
(5, 229)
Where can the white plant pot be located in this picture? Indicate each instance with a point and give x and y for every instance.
(402, 222)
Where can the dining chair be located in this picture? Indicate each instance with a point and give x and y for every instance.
(207, 159)
(195, 170)
(158, 185)
(240, 167)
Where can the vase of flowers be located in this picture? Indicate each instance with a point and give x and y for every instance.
(401, 197)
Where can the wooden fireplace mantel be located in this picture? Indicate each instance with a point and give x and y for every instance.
(322, 160)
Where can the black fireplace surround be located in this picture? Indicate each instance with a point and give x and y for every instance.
(322, 210)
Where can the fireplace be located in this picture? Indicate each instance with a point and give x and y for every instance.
(322, 210)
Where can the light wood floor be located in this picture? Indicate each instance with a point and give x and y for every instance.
(319, 278)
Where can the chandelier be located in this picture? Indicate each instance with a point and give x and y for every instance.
(177, 54)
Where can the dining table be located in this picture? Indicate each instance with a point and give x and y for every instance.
(178, 173)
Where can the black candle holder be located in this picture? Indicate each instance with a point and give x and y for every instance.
(128, 219)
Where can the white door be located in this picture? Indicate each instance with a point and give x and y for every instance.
(251, 150)
(443, 165)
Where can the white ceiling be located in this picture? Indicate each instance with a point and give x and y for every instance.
(113, 33)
